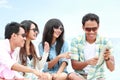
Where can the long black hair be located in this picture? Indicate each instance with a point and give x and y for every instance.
(48, 34)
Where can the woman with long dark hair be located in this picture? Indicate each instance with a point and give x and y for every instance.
(58, 54)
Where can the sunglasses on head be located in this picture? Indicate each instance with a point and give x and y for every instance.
(91, 29)
(61, 28)
(34, 29)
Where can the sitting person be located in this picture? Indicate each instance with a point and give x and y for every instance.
(91, 51)
(27, 54)
(58, 54)
(15, 36)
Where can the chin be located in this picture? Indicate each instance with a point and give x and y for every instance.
(22, 46)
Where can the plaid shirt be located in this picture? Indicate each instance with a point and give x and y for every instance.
(77, 49)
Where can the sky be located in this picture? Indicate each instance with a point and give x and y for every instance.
(70, 12)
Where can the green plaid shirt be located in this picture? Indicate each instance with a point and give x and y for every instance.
(77, 49)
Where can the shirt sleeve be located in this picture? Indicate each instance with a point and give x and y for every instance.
(40, 48)
(16, 54)
(42, 62)
(65, 48)
(74, 49)
(45, 68)
(44, 55)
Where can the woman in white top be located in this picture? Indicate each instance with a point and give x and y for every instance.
(28, 55)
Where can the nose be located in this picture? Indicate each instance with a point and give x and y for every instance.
(91, 31)
(36, 32)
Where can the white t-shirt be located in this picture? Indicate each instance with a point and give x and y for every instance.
(89, 52)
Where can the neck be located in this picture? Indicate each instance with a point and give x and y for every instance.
(27, 45)
(91, 41)
(53, 40)
(27, 42)
(12, 45)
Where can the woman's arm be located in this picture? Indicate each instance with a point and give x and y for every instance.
(56, 59)
(62, 67)
(41, 63)
(53, 62)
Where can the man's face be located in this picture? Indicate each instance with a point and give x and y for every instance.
(21, 37)
(91, 28)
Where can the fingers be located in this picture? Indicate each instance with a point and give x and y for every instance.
(92, 61)
(46, 47)
(96, 58)
(68, 55)
(106, 54)
(107, 51)
(46, 43)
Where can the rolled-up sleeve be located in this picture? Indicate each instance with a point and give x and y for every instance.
(45, 68)
(64, 60)
(41, 52)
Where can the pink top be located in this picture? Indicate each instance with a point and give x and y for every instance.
(6, 60)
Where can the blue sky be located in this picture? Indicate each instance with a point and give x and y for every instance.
(70, 12)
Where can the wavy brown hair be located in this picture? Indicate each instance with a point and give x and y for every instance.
(23, 53)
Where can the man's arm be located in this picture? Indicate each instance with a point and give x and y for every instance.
(110, 63)
(21, 68)
(77, 65)
(109, 59)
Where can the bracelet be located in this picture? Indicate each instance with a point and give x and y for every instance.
(107, 59)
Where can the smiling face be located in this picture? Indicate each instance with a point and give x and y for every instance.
(19, 38)
(32, 34)
(91, 28)
(57, 31)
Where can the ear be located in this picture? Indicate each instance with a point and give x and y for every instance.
(83, 27)
(98, 25)
(13, 35)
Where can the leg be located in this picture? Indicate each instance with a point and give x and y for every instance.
(60, 76)
(49, 76)
(22, 79)
(74, 76)
(46, 76)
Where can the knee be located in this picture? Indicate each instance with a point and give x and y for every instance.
(74, 76)
(70, 76)
(49, 76)
(61, 76)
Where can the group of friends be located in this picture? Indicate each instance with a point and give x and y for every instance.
(88, 53)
